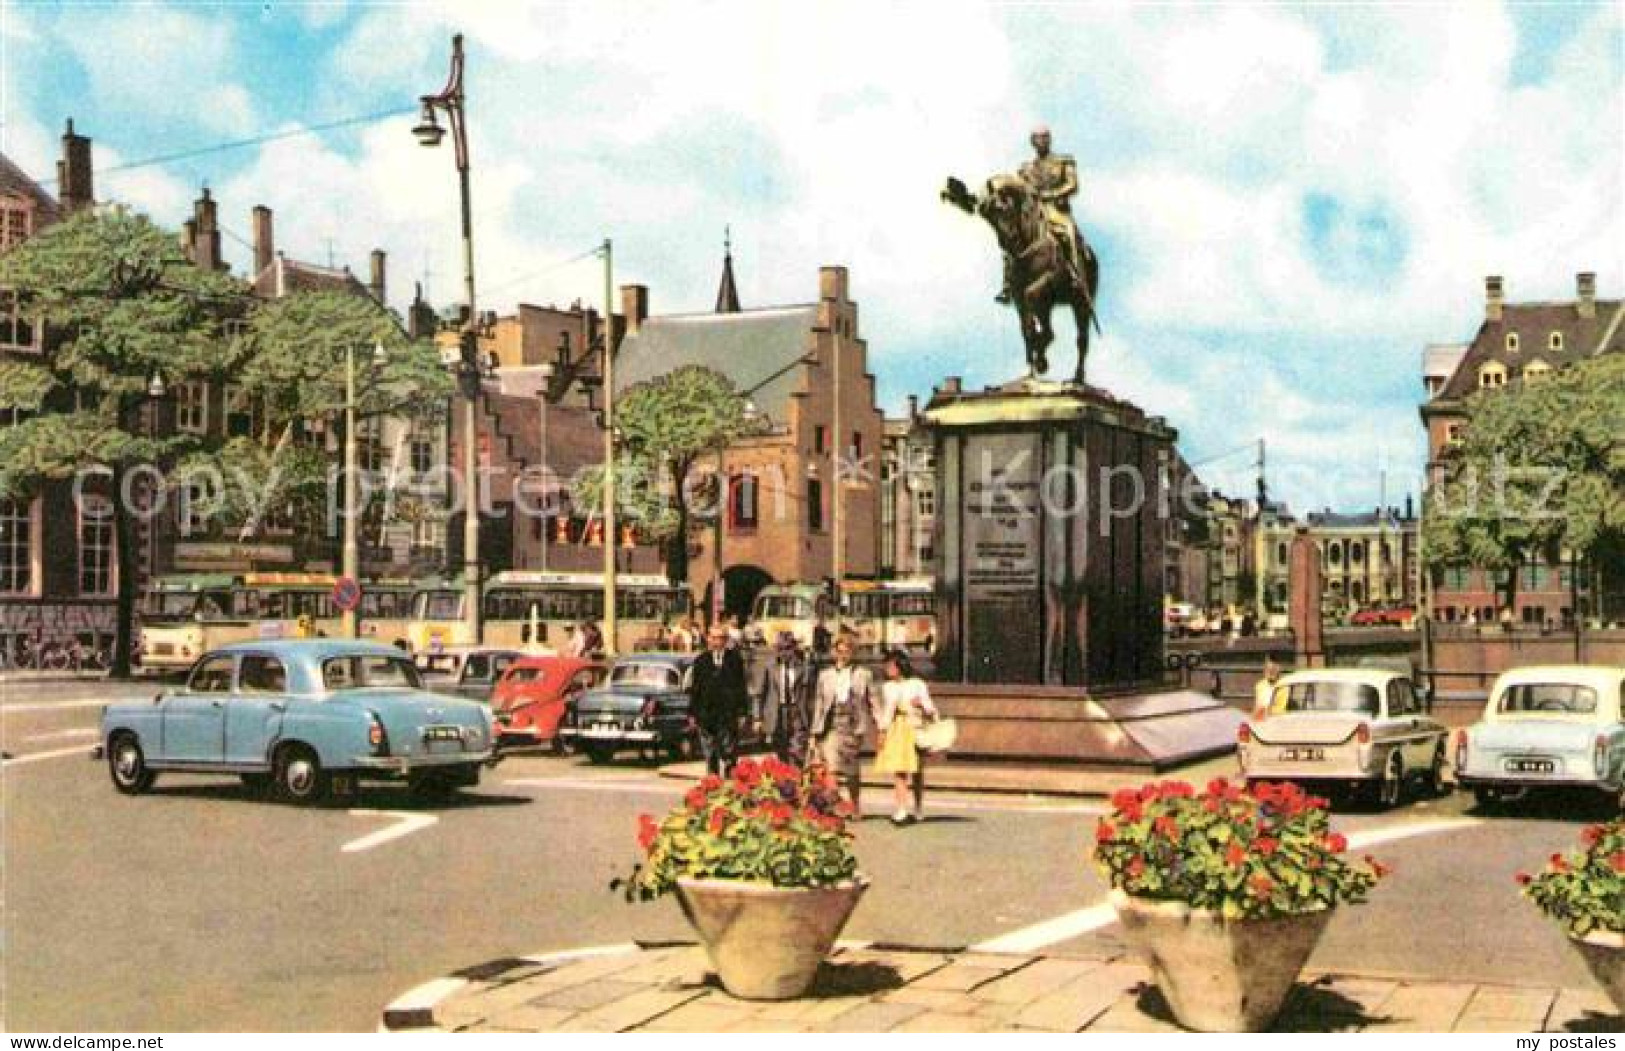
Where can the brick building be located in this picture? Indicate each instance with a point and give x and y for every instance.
(908, 497)
(58, 565)
(1515, 343)
(804, 499)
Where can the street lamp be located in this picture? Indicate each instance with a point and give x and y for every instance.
(610, 612)
(428, 132)
(155, 386)
(546, 372)
(352, 548)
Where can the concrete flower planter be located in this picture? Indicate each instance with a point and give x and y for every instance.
(1218, 975)
(1604, 953)
(766, 942)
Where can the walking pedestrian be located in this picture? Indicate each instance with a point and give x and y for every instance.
(905, 706)
(717, 701)
(783, 700)
(843, 710)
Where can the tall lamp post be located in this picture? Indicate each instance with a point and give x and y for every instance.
(352, 545)
(609, 452)
(428, 132)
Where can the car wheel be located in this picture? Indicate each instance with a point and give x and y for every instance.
(297, 776)
(1486, 798)
(432, 788)
(598, 754)
(1436, 786)
(127, 765)
(1391, 789)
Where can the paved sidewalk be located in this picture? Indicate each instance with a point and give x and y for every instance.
(1049, 779)
(670, 988)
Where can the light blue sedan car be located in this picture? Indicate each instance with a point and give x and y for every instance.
(301, 717)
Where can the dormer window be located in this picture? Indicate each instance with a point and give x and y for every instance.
(1512, 343)
(1536, 371)
(1492, 375)
(1554, 341)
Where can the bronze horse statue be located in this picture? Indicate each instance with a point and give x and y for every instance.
(1039, 273)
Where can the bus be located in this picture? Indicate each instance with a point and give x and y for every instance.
(535, 609)
(386, 612)
(799, 609)
(185, 616)
(891, 614)
(437, 625)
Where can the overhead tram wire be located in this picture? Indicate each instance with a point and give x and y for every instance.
(222, 147)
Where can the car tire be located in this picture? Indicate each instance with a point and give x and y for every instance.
(297, 776)
(1390, 789)
(1487, 798)
(127, 765)
(435, 789)
(1436, 786)
(597, 754)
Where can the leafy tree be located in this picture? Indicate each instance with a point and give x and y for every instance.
(1540, 471)
(293, 370)
(668, 425)
(120, 303)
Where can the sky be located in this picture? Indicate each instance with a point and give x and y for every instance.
(1288, 202)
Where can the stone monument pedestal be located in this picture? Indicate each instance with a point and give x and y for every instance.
(1051, 506)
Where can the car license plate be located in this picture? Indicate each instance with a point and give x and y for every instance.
(1303, 754)
(443, 733)
(1532, 766)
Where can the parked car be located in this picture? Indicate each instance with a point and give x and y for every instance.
(1364, 730)
(300, 716)
(473, 671)
(530, 699)
(1547, 727)
(641, 707)
(1384, 617)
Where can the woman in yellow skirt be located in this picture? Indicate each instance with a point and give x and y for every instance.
(905, 705)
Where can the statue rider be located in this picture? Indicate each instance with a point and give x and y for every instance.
(1053, 178)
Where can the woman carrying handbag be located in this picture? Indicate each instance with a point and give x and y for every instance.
(905, 709)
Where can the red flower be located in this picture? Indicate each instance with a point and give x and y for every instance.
(1218, 786)
(1167, 827)
(1136, 867)
(1337, 842)
(1378, 869)
(1234, 855)
(1592, 834)
(718, 821)
(1524, 879)
(695, 799)
(1266, 846)
(648, 831)
(1262, 886)
(1105, 832)
(710, 783)
(1128, 803)
(1616, 861)
(1559, 863)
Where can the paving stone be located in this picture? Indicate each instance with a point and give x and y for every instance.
(1125, 1017)
(669, 965)
(825, 1011)
(586, 996)
(1423, 1008)
(1584, 1011)
(1029, 983)
(873, 1018)
(940, 1022)
(1501, 1002)
(703, 1014)
(1082, 1000)
(631, 1011)
(959, 977)
(1482, 1024)
(943, 1001)
(528, 1019)
(758, 1024)
(908, 965)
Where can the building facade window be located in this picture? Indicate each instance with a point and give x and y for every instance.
(1554, 341)
(95, 546)
(820, 440)
(192, 509)
(1512, 343)
(17, 547)
(192, 407)
(18, 331)
(422, 456)
(1492, 375)
(239, 412)
(1536, 371)
(815, 504)
(742, 501)
(16, 224)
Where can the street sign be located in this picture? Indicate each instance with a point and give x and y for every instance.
(346, 594)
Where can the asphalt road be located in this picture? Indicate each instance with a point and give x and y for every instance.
(201, 907)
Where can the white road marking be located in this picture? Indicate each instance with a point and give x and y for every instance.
(405, 825)
(86, 731)
(8, 709)
(34, 757)
(1074, 924)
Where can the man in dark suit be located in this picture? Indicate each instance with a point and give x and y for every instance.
(782, 698)
(717, 701)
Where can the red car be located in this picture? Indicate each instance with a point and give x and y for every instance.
(530, 698)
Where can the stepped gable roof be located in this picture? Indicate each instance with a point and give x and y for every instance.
(14, 182)
(754, 348)
(1534, 323)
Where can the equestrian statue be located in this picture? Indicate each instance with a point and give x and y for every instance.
(1046, 261)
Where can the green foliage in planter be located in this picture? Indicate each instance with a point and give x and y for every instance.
(1585, 889)
(1253, 853)
(767, 823)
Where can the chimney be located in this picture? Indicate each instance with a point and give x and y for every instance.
(952, 385)
(1585, 285)
(264, 240)
(832, 283)
(913, 408)
(376, 284)
(74, 177)
(206, 234)
(1494, 297)
(634, 306)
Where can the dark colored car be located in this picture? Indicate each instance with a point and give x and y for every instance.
(642, 707)
(475, 672)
